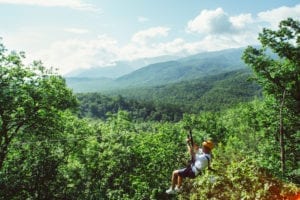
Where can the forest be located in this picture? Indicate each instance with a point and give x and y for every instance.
(55, 144)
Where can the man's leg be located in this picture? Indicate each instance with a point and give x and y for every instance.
(177, 177)
(179, 181)
(174, 182)
(184, 173)
(174, 179)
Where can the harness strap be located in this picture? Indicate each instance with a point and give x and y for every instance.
(199, 170)
(208, 160)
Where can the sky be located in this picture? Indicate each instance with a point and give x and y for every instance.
(79, 34)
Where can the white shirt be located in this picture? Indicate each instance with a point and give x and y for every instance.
(201, 161)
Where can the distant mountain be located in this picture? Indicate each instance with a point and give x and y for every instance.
(161, 73)
(188, 68)
(210, 93)
(119, 69)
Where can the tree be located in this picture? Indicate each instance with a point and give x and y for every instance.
(31, 98)
(279, 74)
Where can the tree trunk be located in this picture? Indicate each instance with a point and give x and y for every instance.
(3, 153)
(3, 144)
(281, 135)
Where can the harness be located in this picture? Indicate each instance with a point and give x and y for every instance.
(199, 170)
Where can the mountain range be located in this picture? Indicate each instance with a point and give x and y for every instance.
(160, 73)
(118, 68)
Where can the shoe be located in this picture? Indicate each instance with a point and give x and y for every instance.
(178, 189)
(170, 191)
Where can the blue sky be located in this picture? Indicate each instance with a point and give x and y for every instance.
(79, 34)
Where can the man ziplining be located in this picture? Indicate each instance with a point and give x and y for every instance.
(201, 159)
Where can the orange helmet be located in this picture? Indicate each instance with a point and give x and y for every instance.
(209, 144)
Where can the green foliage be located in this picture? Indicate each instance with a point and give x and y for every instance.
(36, 160)
(246, 159)
(237, 177)
(31, 98)
(211, 93)
(96, 105)
(282, 74)
(250, 127)
(280, 79)
(124, 161)
(235, 88)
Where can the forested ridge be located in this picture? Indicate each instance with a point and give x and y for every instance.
(212, 93)
(55, 144)
(170, 102)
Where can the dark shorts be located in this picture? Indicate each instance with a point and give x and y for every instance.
(186, 172)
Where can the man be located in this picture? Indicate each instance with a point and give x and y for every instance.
(201, 160)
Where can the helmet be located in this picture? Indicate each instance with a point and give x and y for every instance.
(209, 144)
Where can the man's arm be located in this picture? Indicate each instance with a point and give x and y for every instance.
(191, 150)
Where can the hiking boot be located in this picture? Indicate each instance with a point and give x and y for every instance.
(170, 191)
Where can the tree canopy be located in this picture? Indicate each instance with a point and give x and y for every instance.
(280, 78)
(31, 98)
(281, 73)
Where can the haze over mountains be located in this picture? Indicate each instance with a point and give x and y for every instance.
(119, 68)
(159, 73)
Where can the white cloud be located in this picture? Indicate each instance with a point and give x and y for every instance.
(72, 54)
(217, 22)
(173, 47)
(273, 17)
(219, 30)
(215, 30)
(134, 51)
(142, 37)
(74, 4)
(210, 22)
(241, 21)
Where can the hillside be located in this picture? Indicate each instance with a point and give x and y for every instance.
(188, 68)
(211, 93)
